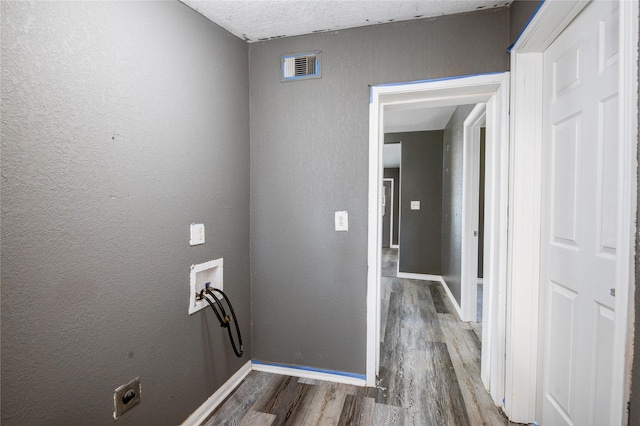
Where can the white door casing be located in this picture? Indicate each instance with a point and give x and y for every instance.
(470, 207)
(579, 218)
(492, 89)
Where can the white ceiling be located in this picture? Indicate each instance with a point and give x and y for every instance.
(416, 118)
(257, 20)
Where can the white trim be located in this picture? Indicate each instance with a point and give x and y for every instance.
(454, 91)
(524, 237)
(523, 348)
(423, 277)
(395, 246)
(376, 141)
(470, 212)
(495, 243)
(627, 205)
(451, 298)
(204, 411)
(309, 374)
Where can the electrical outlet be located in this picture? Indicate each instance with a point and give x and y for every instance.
(201, 274)
(125, 397)
(196, 232)
(342, 221)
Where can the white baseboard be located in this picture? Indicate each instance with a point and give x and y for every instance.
(310, 373)
(451, 298)
(395, 246)
(424, 277)
(204, 411)
(480, 281)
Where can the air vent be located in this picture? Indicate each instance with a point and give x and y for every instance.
(300, 66)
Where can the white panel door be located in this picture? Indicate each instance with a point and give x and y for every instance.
(579, 218)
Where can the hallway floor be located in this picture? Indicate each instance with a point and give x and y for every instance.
(429, 373)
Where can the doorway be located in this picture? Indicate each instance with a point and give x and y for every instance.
(491, 89)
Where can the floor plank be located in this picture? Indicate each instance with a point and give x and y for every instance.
(239, 402)
(254, 418)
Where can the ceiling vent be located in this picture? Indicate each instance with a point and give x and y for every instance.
(300, 66)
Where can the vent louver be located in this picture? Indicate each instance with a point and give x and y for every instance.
(300, 66)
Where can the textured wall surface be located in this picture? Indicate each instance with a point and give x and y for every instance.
(520, 12)
(452, 200)
(421, 180)
(309, 158)
(122, 123)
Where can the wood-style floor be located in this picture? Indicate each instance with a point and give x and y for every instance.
(429, 373)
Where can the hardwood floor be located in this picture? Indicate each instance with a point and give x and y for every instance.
(429, 373)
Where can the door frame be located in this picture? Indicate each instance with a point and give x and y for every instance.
(450, 91)
(523, 345)
(470, 212)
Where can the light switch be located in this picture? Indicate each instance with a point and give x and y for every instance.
(415, 205)
(342, 221)
(197, 234)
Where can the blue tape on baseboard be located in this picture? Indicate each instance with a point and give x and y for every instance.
(535, 12)
(315, 370)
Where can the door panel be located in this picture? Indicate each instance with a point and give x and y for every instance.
(579, 218)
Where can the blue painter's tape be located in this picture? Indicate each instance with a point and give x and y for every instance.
(455, 77)
(315, 370)
(535, 12)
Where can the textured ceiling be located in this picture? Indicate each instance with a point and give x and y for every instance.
(257, 20)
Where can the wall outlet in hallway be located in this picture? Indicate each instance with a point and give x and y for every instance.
(415, 205)
(342, 221)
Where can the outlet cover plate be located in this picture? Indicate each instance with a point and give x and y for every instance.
(342, 221)
(196, 233)
(119, 406)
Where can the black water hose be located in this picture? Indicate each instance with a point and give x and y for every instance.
(222, 316)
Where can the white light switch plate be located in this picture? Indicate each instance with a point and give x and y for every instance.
(415, 205)
(197, 234)
(342, 221)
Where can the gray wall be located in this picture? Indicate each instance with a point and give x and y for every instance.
(394, 173)
(122, 123)
(452, 199)
(520, 11)
(421, 180)
(309, 158)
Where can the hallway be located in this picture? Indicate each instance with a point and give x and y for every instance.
(429, 373)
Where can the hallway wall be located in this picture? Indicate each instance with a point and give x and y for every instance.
(452, 199)
(122, 124)
(421, 180)
(309, 153)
